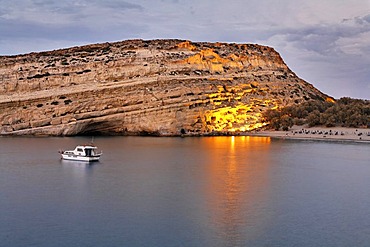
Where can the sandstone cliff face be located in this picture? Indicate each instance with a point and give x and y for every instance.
(158, 87)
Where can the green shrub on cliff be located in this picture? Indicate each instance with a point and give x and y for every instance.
(345, 112)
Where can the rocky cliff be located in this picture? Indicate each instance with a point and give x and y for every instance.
(157, 87)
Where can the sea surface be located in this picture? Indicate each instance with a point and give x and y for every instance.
(199, 191)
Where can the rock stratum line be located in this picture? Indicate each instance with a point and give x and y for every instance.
(154, 87)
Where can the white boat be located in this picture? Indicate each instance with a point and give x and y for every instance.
(82, 153)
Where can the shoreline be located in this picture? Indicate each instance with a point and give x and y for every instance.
(337, 134)
(342, 134)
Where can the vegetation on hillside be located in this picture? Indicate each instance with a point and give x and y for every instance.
(345, 112)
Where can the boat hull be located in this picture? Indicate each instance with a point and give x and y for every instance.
(80, 158)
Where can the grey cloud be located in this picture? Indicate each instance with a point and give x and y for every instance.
(23, 30)
(15, 30)
(58, 7)
(359, 20)
(69, 10)
(116, 4)
(68, 20)
(366, 18)
(332, 56)
(322, 39)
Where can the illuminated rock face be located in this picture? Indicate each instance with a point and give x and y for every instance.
(158, 87)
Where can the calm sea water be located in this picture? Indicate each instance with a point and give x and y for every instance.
(215, 191)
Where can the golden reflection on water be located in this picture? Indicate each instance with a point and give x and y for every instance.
(238, 185)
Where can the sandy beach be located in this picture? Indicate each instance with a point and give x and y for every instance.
(319, 133)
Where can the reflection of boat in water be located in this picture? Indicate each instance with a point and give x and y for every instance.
(82, 153)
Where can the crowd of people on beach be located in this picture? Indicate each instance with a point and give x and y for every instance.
(329, 132)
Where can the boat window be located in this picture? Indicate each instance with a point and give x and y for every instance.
(88, 152)
(79, 150)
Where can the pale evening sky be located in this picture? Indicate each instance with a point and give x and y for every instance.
(326, 43)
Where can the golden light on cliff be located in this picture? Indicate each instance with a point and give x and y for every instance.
(208, 59)
(234, 119)
(330, 100)
(235, 111)
(187, 45)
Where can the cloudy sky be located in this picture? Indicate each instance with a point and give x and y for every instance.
(327, 43)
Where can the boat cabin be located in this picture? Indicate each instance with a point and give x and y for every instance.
(87, 151)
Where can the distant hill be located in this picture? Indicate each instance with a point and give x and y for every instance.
(153, 87)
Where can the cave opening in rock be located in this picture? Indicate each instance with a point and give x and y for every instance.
(97, 129)
(92, 133)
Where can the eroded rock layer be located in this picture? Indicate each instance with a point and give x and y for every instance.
(157, 87)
